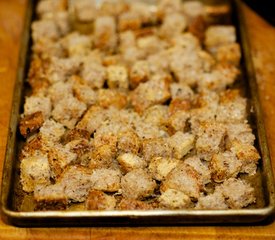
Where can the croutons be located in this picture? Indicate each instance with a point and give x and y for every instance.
(51, 131)
(140, 72)
(229, 54)
(34, 171)
(128, 162)
(132, 204)
(117, 77)
(212, 201)
(111, 97)
(137, 184)
(38, 104)
(128, 142)
(31, 123)
(93, 74)
(174, 199)
(98, 200)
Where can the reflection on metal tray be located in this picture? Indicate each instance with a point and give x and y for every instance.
(219, 12)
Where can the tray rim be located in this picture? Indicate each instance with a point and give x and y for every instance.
(134, 216)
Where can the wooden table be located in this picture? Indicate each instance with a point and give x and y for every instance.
(262, 37)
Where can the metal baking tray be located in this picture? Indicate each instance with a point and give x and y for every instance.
(229, 11)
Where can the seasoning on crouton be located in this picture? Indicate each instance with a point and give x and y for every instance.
(111, 97)
(157, 115)
(107, 180)
(238, 193)
(140, 72)
(174, 199)
(102, 157)
(181, 143)
(50, 197)
(129, 161)
(31, 123)
(229, 54)
(150, 93)
(117, 77)
(223, 166)
(160, 167)
(137, 184)
(35, 104)
(128, 142)
(178, 121)
(34, 170)
(98, 200)
(183, 178)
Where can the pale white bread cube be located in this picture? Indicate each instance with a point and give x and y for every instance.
(68, 111)
(181, 143)
(201, 167)
(98, 200)
(160, 167)
(129, 162)
(105, 36)
(174, 199)
(35, 104)
(44, 28)
(51, 132)
(212, 201)
(50, 197)
(224, 165)
(106, 180)
(137, 184)
(173, 24)
(117, 77)
(85, 10)
(248, 156)
(34, 170)
(77, 183)
(153, 92)
(156, 147)
(59, 90)
(183, 178)
(216, 36)
(238, 193)
(94, 74)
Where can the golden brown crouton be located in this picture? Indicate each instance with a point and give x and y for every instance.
(50, 6)
(179, 105)
(160, 167)
(150, 93)
(75, 134)
(157, 115)
(178, 121)
(117, 77)
(223, 166)
(107, 180)
(238, 193)
(34, 170)
(156, 147)
(183, 178)
(35, 104)
(137, 184)
(174, 199)
(98, 200)
(139, 73)
(31, 123)
(111, 97)
(181, 143)
(129, 161)
(44, 28)
(128, 142)
(51, 132)
(181, 91)
(229, 54)
(132, 204)
(129, 21)
(94, 74)
(50, 197)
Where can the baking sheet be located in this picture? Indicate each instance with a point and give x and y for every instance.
(14, 212)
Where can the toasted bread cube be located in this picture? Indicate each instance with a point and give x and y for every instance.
(129, 21)
(229, 54)
(129, 162)
(85, 94)
(248, 155)
(223, 166)
(173, 24)
(132, 54)
(140, 72)
(62, 21)
(179, 105)
(210, 137)
(35, 104)
(75, 134)
(68, 111)
(31, 123)
(151, 44)
(34, 170)
(105, 33)
(157, 115)
(98, 200)
(107, 180)
(59, 91)
(241, 132)
(183, 178)
(33, 147)
(132, 204)
(212, 201)
(181, 143)
(137, 184)
(50, 6)
(128, 142)
(77, 183)
(181, 91)
(201, 167)
(238, 193)
(159, 63)
(127, 39)
(51, 131)
(117, 77)
(111, 97)
(160, 167)
(50, 197)
(146, 14)
(79, 146)
(85, 10)
(94, 74)
(168, 7)
(174, 199)
(114, 8)
(150, 93)
(232, 108)
(193, 9)
(102, 157)
(178, 121)
(44, 28)
(216, 36)
(156, 147)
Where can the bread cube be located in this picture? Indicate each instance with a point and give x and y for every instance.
(98, 200)
(31, 123)
(35, 104)
(174, 199)
(129, 162)
(117, 77)
(212, 201)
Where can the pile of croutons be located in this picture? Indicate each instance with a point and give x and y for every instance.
(134, 106)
